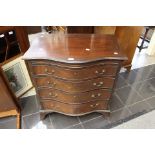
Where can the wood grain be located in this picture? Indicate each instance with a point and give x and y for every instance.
(104, 29)
(128, 37)
(7, 103)
(75, 48)
(74, 86)
(81, 84)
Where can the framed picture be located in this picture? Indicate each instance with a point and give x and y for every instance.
(17, 76)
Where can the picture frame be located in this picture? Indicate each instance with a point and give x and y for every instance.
(17, 75)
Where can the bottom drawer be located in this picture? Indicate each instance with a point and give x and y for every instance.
(74, 109)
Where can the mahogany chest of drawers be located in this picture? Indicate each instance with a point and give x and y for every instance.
(74, 74)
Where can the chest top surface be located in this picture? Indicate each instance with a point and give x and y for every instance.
(74, 48)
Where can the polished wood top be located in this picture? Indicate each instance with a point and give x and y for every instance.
(74, 48)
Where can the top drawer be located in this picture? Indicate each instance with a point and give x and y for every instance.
(78, 73)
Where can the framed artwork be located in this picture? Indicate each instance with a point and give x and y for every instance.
(17, 75)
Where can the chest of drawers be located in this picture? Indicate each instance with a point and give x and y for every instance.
(74, 74)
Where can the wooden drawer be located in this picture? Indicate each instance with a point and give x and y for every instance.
(76, 73)
(74, 109)
(74, 87)
(49, 93)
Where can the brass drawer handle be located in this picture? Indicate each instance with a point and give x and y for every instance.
(98, 94)
(100, 84)
(94, 105)
(53, 71)
(48, 82)
(55, 95)
(93, 95)
(51, 84)
(103, 71)
(46, 70)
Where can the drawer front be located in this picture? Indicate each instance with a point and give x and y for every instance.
(74, 87)
(74, 109)
(61, 96)
(76, 74)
